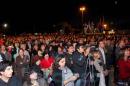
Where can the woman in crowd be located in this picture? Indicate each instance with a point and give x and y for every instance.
(21, 64)
(15, 50)
(36, 59)
(34, 51)
(62, 75)
(34, 80)
(35, 62)
(46, 64)
(123, 66)
(4, 53)
(99, 72)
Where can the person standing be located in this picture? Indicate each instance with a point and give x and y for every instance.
(79, 64)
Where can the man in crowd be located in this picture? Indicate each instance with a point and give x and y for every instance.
(6, 77)
(79, 64)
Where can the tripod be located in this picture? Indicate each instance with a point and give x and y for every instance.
(89, 72)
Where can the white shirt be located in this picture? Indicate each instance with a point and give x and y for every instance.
(1, 59)
(103, 55)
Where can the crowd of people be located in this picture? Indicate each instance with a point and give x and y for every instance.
(64, 60)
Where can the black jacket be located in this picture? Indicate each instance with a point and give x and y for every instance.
(79, 63)
(57, 77)
(69, 61)
(13, 81)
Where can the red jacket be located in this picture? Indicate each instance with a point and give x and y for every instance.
(124, 69)
(46, 63)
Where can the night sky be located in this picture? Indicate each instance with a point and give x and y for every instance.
(37, 16)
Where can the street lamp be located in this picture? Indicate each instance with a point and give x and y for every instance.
(82, 9)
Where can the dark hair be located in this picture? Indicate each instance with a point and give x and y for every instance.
(20, 49)
(46, 52)
(100, 40)
(78, 46)
(122, 52)
(28, 76)
(56, 63)
(4, 65)
(69, 45)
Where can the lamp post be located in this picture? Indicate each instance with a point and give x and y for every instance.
(82, 9)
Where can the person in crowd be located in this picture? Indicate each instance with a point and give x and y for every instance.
(123, 66)
(34, 80)
(109, 51)
(60, 51)
(51, 50)
(26, 53)
(119, 46)
(103, 58)
(21, 64)
(101, 47)
(74, 45)
(15, 50)
(36, 62)
(34, 51)
(79, 64)
(6, 75)
(36, 59)
(98, 68)
(3, 52)
(43, 48)
(62, 75)
(69, 56)
(46, 64)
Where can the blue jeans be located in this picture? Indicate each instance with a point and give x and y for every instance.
(78, 82)
(121, 83)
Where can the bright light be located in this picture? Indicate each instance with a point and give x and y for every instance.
(104, 32)
(105, 25)
(5, 25)
(82, 8)
(111, 32)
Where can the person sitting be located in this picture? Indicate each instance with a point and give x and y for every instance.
(46, 64)
(62, 75)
